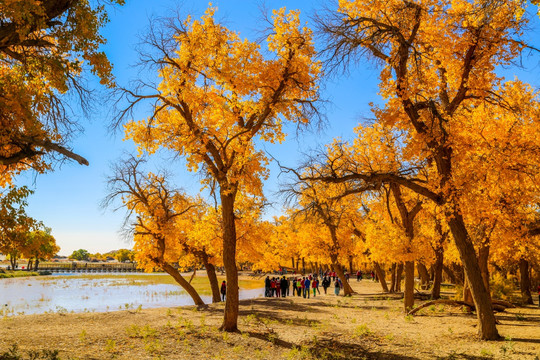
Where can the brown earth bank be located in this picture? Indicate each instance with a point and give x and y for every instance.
(368, 325)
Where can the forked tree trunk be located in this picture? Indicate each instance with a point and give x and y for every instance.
(212, 277)
(230, 319)
(437, 274)
(487, 329)
(169, 269)
(399, 272)
(483, 257)
(525, 282)
(381, 275)
(408, 298)
(424, 275)
(13, 261)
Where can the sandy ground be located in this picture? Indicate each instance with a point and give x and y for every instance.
(369, 325)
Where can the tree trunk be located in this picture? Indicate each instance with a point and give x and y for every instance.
(399, 272)
(525, 282)
(303, 266)
(381, 275)
(36, 263)
(212, 277)
(230, 319)
(437, 274)
(487, 329)
(483, 257)
(393, 278)
(423, 274)
(292, 259)
(347, 290)
(169, 269)
(467, 295)
(408, 299)
(13, 261)
(350, 264)
(297, 264)
(450, 274)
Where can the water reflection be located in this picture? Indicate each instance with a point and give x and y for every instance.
(65, 293)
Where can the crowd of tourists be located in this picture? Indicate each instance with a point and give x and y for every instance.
(305, 286)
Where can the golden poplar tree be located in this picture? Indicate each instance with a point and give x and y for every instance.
(217, 98)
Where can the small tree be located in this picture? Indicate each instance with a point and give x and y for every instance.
(40, 245)
(80, 255)
(15, 224)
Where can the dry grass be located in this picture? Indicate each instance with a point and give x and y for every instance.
(370, 325)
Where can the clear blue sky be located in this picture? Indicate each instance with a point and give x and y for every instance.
(67, 199)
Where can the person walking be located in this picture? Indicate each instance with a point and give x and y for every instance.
(223, 290)
(314, 286)
(307, 284)
(303, 283)
(298, 286)
(326, 284)
(294, 286)
(278, 287)
(337, 288)
(358, 275)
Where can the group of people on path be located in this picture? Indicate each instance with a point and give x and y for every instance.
(301, 286)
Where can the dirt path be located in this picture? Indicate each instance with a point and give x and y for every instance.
(370, 325)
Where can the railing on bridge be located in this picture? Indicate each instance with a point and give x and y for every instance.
(89, 267)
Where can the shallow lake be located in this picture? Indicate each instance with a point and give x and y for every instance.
(103, 292)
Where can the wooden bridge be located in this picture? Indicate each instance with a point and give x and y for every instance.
(88, 267)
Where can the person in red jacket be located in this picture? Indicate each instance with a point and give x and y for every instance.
(223, 290)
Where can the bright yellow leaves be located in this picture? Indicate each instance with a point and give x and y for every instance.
(218, 93)
(43, 48)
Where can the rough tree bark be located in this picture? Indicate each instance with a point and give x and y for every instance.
(437, 274)
(381, 275)
(424, 275)
(212, 277)
(399, 273)
(525, 282)
(483, 257)
(408, 298)
(393, 278)
(347, 290)
(230, 319)
(487, 329)
(169, 269)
